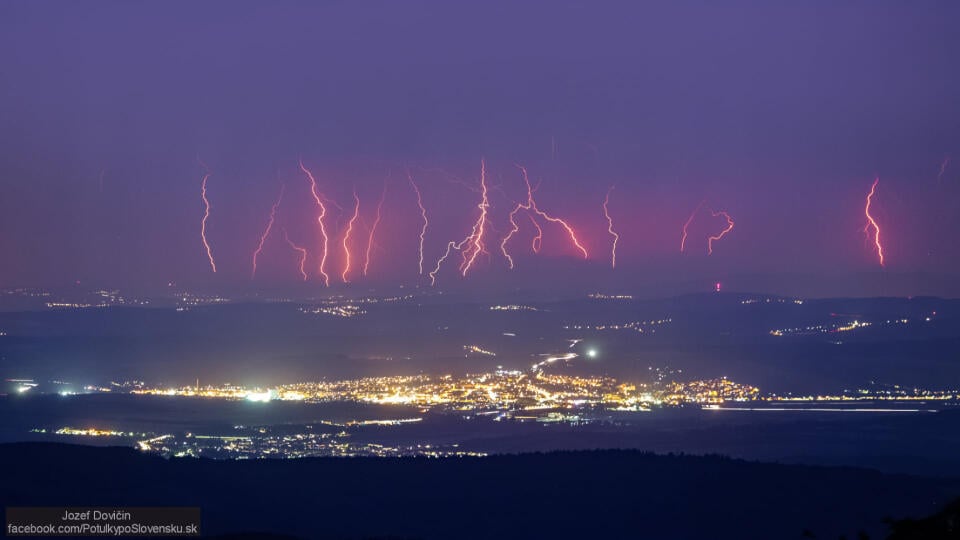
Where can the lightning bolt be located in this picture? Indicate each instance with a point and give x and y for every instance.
(474, 239)
(206, 216)
(266, 231)
(514, 227)
(686, 225)
(533, 210)
(450, 246)
(346, 237)
(538, 239)
(943, 168)
(723, 233)
(302, 251)
(616, 237)
(373, 228)
(573, 235)
(476, 235)
(323, 228)
(423, 215)
(871, 222)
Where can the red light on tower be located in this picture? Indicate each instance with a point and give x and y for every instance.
(717, 287)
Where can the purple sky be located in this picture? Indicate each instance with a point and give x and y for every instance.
(780, 114)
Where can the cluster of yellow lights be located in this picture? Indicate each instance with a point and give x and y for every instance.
(346, 310)
(636, 326)
(840, 327)
(191, 299)
(772, 301)
(478, 350)
(709, 391)
(227, 391)
(114, 298)
(499, 390)
(291, 446)
(894, 392)
(513, 307)
(93, 432)
(852, 326)
(928, 395)
(30, 293)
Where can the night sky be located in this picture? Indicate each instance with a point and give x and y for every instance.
(782, 114)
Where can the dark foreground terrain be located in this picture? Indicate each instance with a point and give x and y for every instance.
(592, 494)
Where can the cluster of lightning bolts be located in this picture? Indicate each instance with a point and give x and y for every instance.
(533, 212)
(474, 245)
(713, 237)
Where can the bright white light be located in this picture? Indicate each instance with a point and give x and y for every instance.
(591, 353)
(259, 397)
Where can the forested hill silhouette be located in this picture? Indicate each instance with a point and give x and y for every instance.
(944, 525)
(592, 494)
